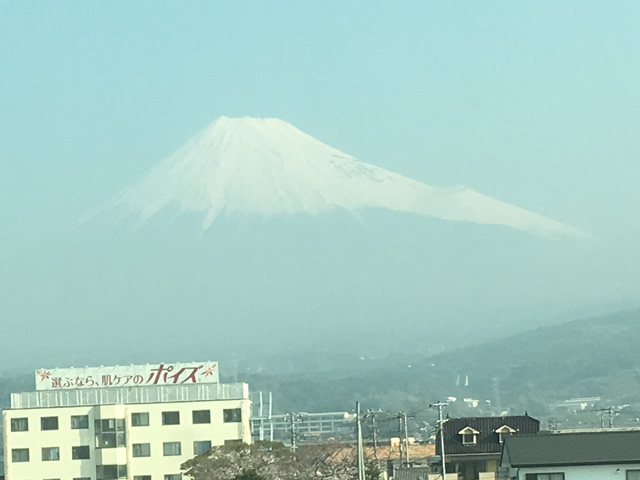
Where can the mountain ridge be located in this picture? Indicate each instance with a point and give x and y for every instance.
(269, 167)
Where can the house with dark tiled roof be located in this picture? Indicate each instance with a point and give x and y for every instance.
(411, 473)
(472, 446)
(600, 455)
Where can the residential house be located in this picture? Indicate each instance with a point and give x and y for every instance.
(411, 473)
(396, 465)
(421, 473)
(599, 455)
(473, 446)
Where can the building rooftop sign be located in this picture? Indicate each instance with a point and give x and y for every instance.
(127, 376)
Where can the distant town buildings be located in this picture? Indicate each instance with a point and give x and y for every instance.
(142, 422)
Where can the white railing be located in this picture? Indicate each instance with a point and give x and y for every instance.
(114, 396)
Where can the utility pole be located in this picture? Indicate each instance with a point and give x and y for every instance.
(406, 439)
(610, 411)
(610, 414)
(439, 406)
(403, 445)
(292, 430)
(374, 434)
(293, 417)
(261, 415)
(270, 418)
(375, 439)
(360, 447)
(400, 443)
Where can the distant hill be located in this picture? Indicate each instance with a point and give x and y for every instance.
(590, 357)
(526, 371)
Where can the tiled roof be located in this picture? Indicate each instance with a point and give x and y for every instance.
(487, 439)
(416, 451)
(590, 448)
(411, 473)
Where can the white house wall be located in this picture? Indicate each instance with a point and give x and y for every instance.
(587, 472)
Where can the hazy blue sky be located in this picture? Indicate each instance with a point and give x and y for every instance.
(533, 102)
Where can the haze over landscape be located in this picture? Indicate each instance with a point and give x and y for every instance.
(240, 182)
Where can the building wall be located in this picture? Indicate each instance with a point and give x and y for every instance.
(492, 466)
(593, 472)
(157, 464)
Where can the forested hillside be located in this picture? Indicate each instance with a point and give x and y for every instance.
(595, 357)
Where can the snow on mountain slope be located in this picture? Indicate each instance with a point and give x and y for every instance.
(269, 167)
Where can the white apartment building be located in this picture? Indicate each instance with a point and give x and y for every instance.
(137, 422)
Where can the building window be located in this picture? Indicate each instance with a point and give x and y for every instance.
(173, 476)
(201, 447)
(49, 423)
(110, 433)
(50, 454)
(19, 424)
(232, 415)
(504, 431)
(141, 449)
(468, 439)
(468, 435)
(201, 416)
(235, 441)
(142, 477)
(544, 476)
(82, 478)
(19, 455)
(80, 453)
(140, 419)
(79, 422)
(171, 418)
(110, 472)
(633, 475)
(171, 449)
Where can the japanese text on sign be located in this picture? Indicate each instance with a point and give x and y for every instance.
(127, 376)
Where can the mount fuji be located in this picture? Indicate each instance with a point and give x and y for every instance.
(268, 167)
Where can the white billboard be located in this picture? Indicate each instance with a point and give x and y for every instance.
(127, 376)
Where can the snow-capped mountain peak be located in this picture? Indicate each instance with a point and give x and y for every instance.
(267, 166)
